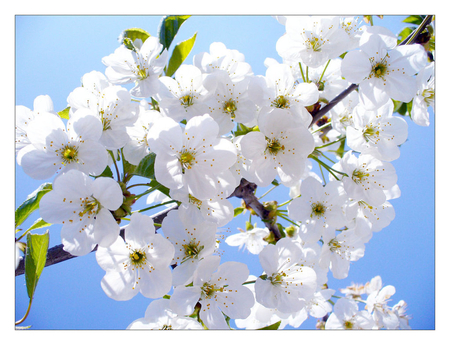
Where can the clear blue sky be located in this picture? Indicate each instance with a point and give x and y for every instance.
(53, 52)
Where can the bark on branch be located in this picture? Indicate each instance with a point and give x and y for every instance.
(57, 254)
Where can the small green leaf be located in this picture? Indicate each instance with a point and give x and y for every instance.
(179, 54)
(238, 211)
(272, 327)
(414, 19)
(163, 189)
(64, 114)
(35, 258)
(169, 28)
(405, 33)
(146, 167)
(135, 33)
(31, 203)
(106, 173)
(38, 224)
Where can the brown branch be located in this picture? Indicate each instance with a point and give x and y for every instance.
(57, 254)
(411, 39)
(246, 192)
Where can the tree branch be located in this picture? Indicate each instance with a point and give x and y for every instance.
(57, 254)
(246, 192)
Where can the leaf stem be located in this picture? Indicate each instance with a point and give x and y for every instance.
(115, 165)
(155, 206)
(26, 314)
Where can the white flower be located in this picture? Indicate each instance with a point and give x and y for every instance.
(54, 148)
(252, 240)
(368, 178)
(376, 304)
(424, 97)
(279, 89)
(400, 310)
(110, 103)
(347, 316)
(328, 79)
(183, 96)
(260, 316)
(342, 113)
(281, 147)
(192, 244)
(382, 69)
(229, 102)
(312, 40)
(317, 306)
(137, 147)
(319, 207)
(285, 284)
(377, 132)
(220, 58)
(219, 291)
(352, 27)
(84, 208)
(338, 251)
(138, 263)
(159, 315)
(193, 157)
(142, 67)
(24, 116)
(216, 210)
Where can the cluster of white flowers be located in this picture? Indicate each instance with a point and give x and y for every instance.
(209, 126)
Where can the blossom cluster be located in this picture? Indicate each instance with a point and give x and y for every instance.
(211, 125)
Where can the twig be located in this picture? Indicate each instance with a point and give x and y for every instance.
(57, 254)
(246, 192)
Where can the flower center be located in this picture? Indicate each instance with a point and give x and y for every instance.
(314, 43)
(281, 102)
(90, 206)
(141, 73)
(187, 101)
(348, 324)
(138, 258)
(69, 154)
(186, 159)
(428, 96)
(318, 210)
(193, 200)
(192, 250)
(209, 290)
(334, 245)
(277, 278)
(358, 175)
(273, 146)
(230, 108)
(369, 132)
(379, 69)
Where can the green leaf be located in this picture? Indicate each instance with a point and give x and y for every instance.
(272, 327)
(169, 28)
(35, 258)
(106, 173)
(38, 224)
(146, 167)
(238, 211)
(179, 54)
(163, 189)
(135, 33)
(414, 20)
(64, 114)
(405, 33)
(31, 203)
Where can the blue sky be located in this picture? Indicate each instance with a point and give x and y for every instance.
(51, 55)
